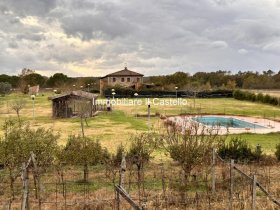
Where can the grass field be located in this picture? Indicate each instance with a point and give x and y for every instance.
(275, 93)
(115, 127)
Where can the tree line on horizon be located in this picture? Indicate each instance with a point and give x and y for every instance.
(58, 80)
(220, 80)
(184, 81)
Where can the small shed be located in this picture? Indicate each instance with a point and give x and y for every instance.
(74, 103)
(34, 90)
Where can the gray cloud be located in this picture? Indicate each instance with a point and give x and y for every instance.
(13, 45)
(31, 36)
(102, 22)
(28, 7)
(153, 37)
(273, 47)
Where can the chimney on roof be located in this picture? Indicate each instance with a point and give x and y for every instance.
(125, 68)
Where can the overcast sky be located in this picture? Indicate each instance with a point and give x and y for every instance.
(96, 37)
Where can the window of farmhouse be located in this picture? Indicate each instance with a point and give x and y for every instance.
(138, 79)
(128, 79)
(122, 79)
(114, 79)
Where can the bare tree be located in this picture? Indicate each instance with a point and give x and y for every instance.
(113, 164)
(17, 106)
(84, 108)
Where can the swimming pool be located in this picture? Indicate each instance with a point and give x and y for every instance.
(225, 122)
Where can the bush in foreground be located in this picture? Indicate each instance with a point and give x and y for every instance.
(17, 143)
(239, 150)
(84, 151)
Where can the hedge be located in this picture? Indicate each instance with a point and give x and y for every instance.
(129, 93)
(249, 96)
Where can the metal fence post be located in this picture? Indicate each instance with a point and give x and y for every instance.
(254, 186)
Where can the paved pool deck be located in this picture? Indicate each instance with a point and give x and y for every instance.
(269, 125)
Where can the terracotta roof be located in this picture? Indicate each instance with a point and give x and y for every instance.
(79, 93)
(124, 72)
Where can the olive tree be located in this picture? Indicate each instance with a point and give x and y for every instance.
(84, 151)
(17, 144)
(191, 146)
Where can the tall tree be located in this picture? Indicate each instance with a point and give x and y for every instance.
(31, 80)
(57, 80)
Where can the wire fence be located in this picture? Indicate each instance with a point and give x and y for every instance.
(243, 181)
(224, 185)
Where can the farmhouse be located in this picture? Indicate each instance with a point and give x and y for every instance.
(125, 77)
(75, 103)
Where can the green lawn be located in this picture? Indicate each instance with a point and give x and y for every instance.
(267, 141)
(115, 127)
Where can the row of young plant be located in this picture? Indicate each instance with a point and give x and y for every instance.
(256, 97)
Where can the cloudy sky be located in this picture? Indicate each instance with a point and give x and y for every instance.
(96, 37)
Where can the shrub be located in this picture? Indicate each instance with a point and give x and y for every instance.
(239, 150)
(125, 92)
(141, 148)
(5, 88)
(84, 151)
(249, 96)
(20, 140)
(239, 95)
(191, 147)
(277, 153)
(79, 151)
(274, 101)
(117, 158)
(17, 144)
(260, 97)
(266, 99)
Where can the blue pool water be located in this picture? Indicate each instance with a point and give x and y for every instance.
(225, 122)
